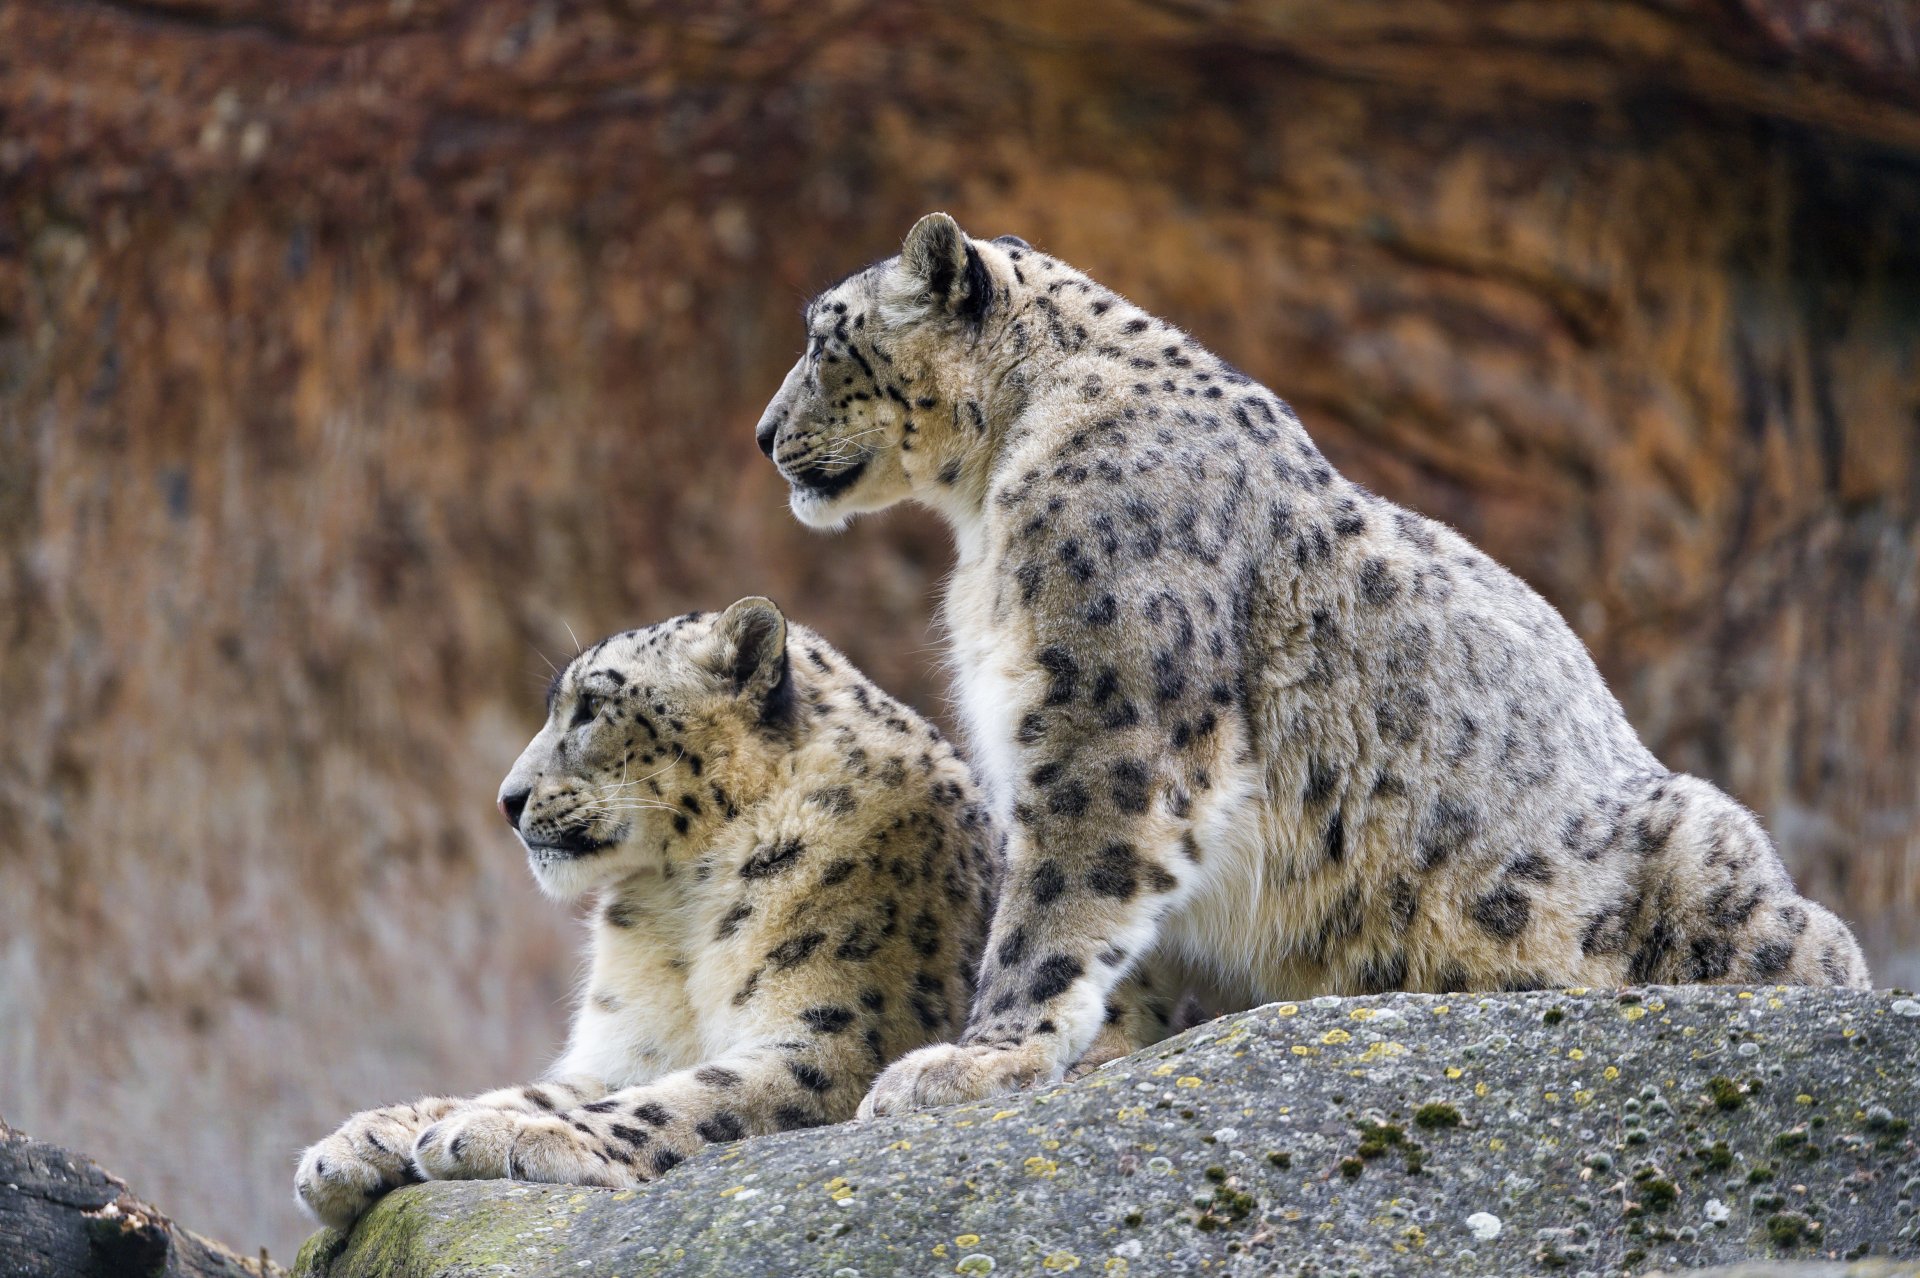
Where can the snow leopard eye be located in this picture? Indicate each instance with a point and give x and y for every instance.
(584, 710)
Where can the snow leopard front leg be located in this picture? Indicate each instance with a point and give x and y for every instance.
(635, 1134)
(1112, 741)
(340, 1177)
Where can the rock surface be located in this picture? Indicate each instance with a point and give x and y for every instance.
(1585, 1132)
(64, 1216)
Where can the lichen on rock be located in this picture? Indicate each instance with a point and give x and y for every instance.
(1329, 1136)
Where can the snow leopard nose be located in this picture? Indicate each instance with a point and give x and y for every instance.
(512, 805)
(764, 436)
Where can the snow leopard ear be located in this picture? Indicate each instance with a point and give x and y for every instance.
(752, 655)
(938, 255)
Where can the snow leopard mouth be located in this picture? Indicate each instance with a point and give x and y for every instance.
(569, 846)
(817, 481)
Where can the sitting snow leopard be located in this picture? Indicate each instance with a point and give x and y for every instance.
(794, 874)
(1245, 720)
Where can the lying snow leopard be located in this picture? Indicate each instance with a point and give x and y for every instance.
(1245, 719)
(794, 874)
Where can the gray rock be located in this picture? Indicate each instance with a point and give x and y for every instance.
(1517, 1133)
(62, 1215)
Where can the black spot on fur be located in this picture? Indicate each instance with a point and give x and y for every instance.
(1377, 584)
(1532, 868)
(795, 950)
(1652, 952)
(1403, 903)
(1068, 799)
(1054, 977)
(1322, 777)
(1450, 829)
(809, 1076)
(1605, 932)
(730, 921)
(720, 1128)
(837, 799)
(717, 1076)
(1115, 872)
(1401, 714)
(1065, 672)
(1380, 975)
(1504, 912)
(1710, 958)
(827, 1020)
(1130, 786)
(858, 946)
(771, 858)
(924, 934)
(1771, 958)
(1048, 882)
(1335, 839)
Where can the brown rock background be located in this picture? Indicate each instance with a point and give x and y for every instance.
(352, 351)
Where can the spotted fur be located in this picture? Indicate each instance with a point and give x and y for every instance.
(792, 872)
(1243, 718)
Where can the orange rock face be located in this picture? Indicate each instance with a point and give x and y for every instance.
(351, 352)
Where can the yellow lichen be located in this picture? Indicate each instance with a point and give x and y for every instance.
(1288, 1009)
(1334, 1037)
(1038, 1166)
(1454, 1071)
(1188, 1081)
(967, 1240)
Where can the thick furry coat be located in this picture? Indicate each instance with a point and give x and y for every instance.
(1244, 718)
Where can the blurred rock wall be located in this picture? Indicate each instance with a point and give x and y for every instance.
(351, 352)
